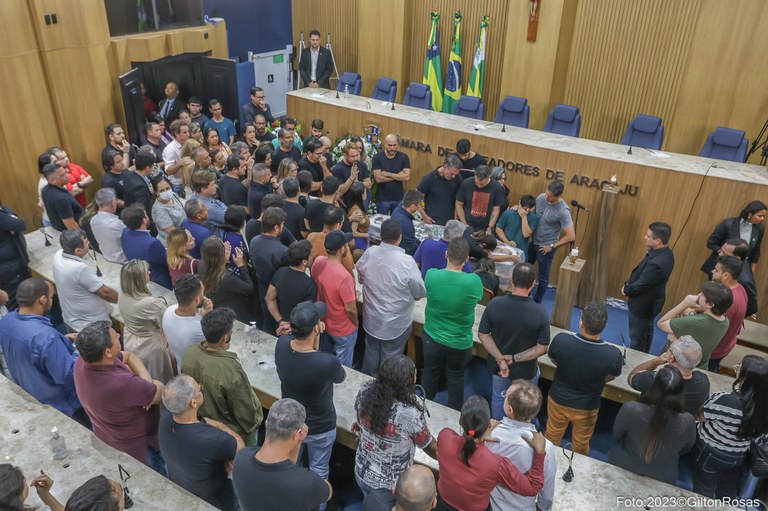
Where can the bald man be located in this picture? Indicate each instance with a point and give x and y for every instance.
(391, 168)
(415, 490)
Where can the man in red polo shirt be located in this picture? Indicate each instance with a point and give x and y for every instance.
(79, 179)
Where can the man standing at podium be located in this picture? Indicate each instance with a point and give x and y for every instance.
(646, 287)
(315, 65)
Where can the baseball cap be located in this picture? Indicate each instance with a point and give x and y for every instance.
(334, 240)
(306, 315)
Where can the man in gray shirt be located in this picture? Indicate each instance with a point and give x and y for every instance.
(84, 297)
(107, 227)
(554, 216)
(391, 284)
(521, 405)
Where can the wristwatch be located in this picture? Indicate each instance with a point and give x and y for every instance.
(552, 246)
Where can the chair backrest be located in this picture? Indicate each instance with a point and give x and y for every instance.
(513, 111)
(386, 89)
(418, 95)
(726, 144)
(644, 131)
(564, 120)
(353, 80)
(470, 106)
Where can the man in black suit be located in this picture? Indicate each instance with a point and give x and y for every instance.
(316, 64)
(646, 287)
(172, 104)
(136, 187)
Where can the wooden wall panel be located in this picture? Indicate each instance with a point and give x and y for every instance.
(340, 19)
(724, 81)
(662, 195)
(383, 55)
(633, 64)
(472, 13)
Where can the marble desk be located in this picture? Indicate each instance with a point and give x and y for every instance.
(25, 432)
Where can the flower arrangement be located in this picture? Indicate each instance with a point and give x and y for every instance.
(369, 148)
(275, 125)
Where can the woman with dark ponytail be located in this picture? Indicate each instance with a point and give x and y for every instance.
(469, 471)
(14, 490)
(653, 432)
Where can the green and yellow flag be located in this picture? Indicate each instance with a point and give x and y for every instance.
(453, 74)
(433, 75)
(476, 79)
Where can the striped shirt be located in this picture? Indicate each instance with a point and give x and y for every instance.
(723, 414)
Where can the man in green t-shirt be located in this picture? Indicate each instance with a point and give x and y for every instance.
(702, 317)
(452, 296)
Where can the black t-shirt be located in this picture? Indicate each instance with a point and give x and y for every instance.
(479, 202)
(266, 137)
(439, 196)
(308, 378)
(115, 181)
(232, 191)
(253, 229)
(490, 280)
(474, 162)
(158, 148)
(201, 120)
(314, 215)
(59, 204)
(293, 287)
(314, 168)
(294, 218)
(516, 323)
(695, 390)
(278, 486)
(342, 171)
(257, 192)
(582, 366)
(196, 455)
(392, 191)
(267, 255)
(279, 155)
(112, 149)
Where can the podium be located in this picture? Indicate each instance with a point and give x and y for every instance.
(595, 277)
(568, 279)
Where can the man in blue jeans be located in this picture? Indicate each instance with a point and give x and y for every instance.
(391, 168)
(308, 375)
(554, 216)
(514, 331)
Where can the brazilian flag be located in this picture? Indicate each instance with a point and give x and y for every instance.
(433, 75)
(453, 75)
(477, 77)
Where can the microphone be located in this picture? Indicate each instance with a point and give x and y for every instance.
(393, 105)
(624, 355)
(629, 151)
(503, 128)
(48, 237)
(576, 204)
(568, 476)
(93, 255)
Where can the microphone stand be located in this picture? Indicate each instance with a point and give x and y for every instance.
(93, 255)
(568, 476)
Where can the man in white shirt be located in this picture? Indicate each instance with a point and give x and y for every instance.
(521, 405)
(107, 226)
(181, 322)
(174, 163)
(84, 297)
(391, 284)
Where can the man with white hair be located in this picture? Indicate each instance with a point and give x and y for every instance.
(685, 354)
(268, 478)
(521, 405)
(106, 226)
(199, 452)
(431, 252)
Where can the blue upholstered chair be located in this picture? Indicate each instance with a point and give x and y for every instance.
(470, 106)
(386, 89)
(418, 95)
(513, 111)
(564, 120)
(726, 144)
(644, 131)
(353, 80)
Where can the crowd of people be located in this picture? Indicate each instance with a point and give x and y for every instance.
(269, 231)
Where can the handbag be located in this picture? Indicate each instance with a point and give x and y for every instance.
(758, 453)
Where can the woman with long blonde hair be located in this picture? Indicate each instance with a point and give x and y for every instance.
(180, 262)
(143, 318)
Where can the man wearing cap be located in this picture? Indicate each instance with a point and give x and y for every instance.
(336, 287)
(308, 375)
